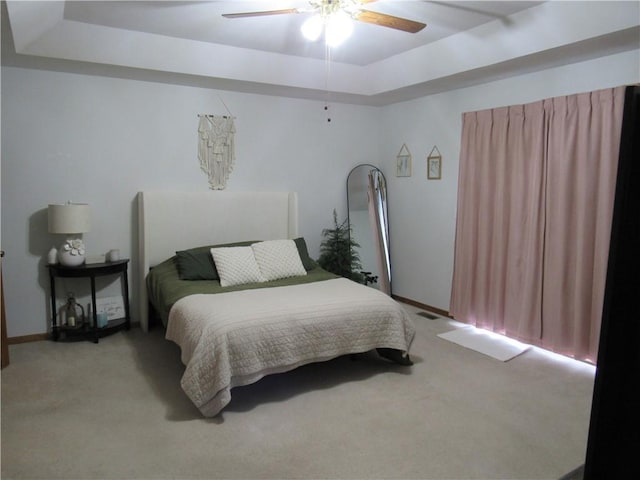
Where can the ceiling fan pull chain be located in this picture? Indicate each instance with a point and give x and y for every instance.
(327, 66)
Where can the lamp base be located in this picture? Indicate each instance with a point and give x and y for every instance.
(69, 260)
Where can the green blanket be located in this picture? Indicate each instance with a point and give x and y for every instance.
(165, 287)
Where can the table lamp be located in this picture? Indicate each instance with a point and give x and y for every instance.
(70, 219)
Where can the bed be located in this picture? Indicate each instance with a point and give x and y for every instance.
(237, 291)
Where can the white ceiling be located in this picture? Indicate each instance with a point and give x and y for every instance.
(465, 42)
(203, 22)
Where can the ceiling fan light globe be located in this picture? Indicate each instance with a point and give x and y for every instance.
(312, 28)
(339, 27)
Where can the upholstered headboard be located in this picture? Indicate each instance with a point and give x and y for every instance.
(171, 221)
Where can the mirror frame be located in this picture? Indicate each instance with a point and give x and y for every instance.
(373, 167)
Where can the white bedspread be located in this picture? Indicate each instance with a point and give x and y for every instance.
(236, 338)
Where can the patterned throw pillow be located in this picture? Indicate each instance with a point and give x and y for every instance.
(236, 265)
(278, 259)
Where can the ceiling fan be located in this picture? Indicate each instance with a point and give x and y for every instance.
(325, 9)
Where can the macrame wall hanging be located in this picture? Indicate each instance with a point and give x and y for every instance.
(216, 148)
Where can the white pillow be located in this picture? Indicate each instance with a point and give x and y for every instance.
(278, 259)
(236, 265)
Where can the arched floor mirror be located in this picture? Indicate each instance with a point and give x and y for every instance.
(369, 223)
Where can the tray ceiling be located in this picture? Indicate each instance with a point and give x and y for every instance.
(190, 42)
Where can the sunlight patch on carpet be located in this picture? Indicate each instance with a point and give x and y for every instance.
(487, 343)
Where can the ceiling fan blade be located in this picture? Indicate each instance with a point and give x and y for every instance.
(384, 20)
(261, 14)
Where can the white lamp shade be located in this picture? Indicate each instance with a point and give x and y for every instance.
(69, 218)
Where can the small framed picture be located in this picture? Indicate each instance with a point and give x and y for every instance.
(434, 165)
(403, 162)
(112, 306)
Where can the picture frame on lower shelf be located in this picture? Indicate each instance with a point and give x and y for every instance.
(112, 306)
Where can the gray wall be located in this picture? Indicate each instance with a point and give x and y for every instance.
(422, 212)
(101, 140)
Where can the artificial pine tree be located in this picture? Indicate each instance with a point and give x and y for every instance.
(338, 252)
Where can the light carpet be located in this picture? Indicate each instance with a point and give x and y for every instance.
(487, 343)
(115, 410)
